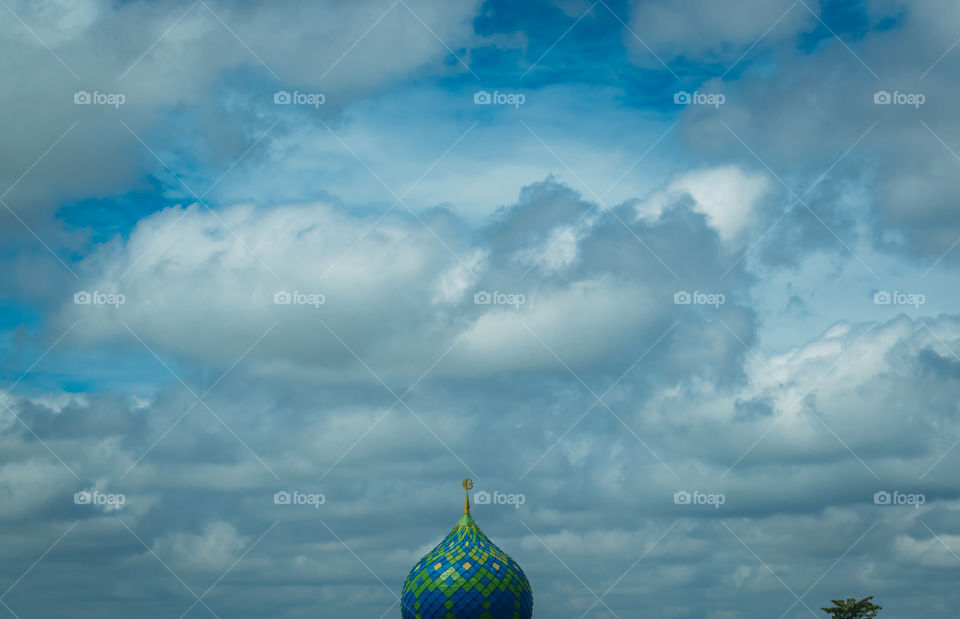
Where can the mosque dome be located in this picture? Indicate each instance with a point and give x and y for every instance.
(466, 577)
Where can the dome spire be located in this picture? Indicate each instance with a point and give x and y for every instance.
(467, 485)
(466, 577)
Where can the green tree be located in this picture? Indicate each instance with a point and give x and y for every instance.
(851, 608)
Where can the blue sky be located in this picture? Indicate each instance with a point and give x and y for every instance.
(720, 242)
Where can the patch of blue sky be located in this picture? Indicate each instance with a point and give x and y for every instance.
(110, 216)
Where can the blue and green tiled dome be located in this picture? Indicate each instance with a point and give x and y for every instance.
(467, 577)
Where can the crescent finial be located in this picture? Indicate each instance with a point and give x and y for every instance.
(467, 486)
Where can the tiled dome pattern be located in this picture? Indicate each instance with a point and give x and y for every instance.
(467, 577)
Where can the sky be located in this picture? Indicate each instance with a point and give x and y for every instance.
(674, 282)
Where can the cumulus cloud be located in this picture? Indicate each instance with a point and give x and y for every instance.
(352, 280)
(727, 196)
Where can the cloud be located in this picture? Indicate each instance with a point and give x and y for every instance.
(215, 549)
(149, 52)
(863, 381)
(728, 197)
(708, 32)
(367, 276)
(300, 404)
(876, 174)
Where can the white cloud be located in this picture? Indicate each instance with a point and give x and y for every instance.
(581, 324)
(728, 196)
(190, 266)
(149, 52)
(938, 551)
(215, 549)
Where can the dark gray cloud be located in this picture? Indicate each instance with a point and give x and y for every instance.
(200, 498)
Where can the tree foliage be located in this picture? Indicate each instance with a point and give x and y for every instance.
(852, 608)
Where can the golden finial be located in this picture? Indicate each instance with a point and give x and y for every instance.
(467, 486)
